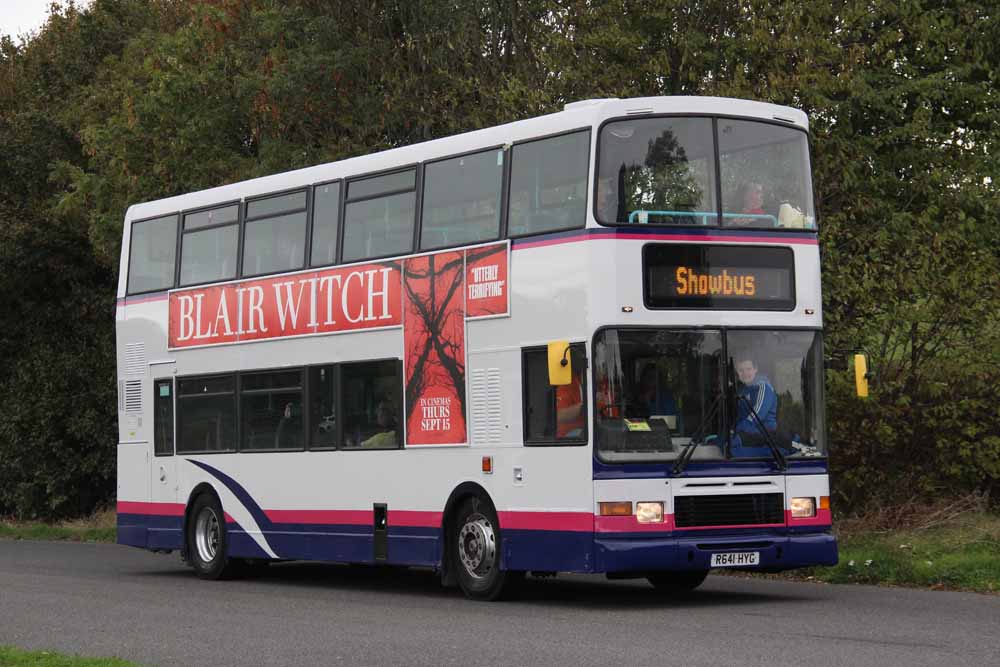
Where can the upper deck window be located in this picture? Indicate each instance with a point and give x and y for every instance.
(326, 221)
(208, 245)
(461, 202)
(765, 176)
(667, 170)
(275, 236)
(379, 216)
(657, 171)
(548, 184)
(151, 258)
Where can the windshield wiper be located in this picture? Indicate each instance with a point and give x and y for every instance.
(699, 433)
(775, 452)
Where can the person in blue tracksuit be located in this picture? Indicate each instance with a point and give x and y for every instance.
(759, 394)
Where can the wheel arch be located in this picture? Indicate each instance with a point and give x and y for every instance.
(199, 489)
(459, 493)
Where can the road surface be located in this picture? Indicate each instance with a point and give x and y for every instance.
(103, 600)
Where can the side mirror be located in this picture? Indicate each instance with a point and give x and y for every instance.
(860, 364)
(560, 366)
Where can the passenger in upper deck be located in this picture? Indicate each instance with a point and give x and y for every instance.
(751, 194)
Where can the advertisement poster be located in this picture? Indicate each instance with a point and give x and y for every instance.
(434, 349)
(487, 292)
(329, 301)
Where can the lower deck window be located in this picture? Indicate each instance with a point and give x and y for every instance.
(371, 398)
(206, 414)
(350, 406)
(271, 410)
(554, 415)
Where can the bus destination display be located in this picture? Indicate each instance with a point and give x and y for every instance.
(722, 277)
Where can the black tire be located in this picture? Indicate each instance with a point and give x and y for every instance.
(207, 547)
(475, 552)
(677, 582)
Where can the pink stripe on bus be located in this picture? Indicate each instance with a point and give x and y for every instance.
(607, 234)
(629, 524)
(414, 519)
(154, 509)
(822, 518)
(569, 521)
(132, 300)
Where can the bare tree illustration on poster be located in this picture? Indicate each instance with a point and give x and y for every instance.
(434, 348)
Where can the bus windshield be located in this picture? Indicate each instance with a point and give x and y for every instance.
(730, 394)
(672, 171)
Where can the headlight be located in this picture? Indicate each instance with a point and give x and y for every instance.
(803, 508)
(649, 512)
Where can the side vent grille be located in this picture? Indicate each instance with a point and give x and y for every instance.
(135, 359)
(487, 408)
(133, 396)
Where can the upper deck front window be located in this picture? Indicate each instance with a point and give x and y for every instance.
(674, 171)
(657, 171)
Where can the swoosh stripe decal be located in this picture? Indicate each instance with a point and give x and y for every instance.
(244, 497)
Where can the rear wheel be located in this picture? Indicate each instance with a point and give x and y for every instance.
(677, 582)
(206, 540)
(475, 548)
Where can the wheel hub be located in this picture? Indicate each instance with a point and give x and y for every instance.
(477, 546)
(207, 533)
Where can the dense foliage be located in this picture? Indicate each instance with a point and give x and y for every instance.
(132, 100)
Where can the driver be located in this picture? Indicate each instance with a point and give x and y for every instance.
(758, 394)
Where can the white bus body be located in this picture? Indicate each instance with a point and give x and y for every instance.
(547, 506)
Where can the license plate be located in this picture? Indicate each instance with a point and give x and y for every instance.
(736, 559)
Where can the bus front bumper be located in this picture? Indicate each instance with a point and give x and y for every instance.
(622, 554)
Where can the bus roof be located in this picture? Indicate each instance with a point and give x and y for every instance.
(576, 115)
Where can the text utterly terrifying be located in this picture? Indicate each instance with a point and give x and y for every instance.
(486, 288)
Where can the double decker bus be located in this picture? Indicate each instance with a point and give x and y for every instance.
(584, 342)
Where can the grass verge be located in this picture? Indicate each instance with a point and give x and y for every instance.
(12, 657)
(963, 554)
(99, 527)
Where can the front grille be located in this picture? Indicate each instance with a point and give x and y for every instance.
(736, 510)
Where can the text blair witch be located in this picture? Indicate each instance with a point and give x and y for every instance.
(320, 302)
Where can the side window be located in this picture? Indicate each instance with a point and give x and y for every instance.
(461, 202)
(271, 410)
(152, 253)
(371, 399)
(326, 221)
(206, 414)
(379, 216)
(548, 184)
(208, 245)
(323, 410)
(163, 417)
(274, 236)
(554, 415)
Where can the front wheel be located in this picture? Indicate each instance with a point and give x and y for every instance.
(677, 582)
(206, 540)
(475, 547)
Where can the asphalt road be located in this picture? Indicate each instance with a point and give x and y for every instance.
(101, 599)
